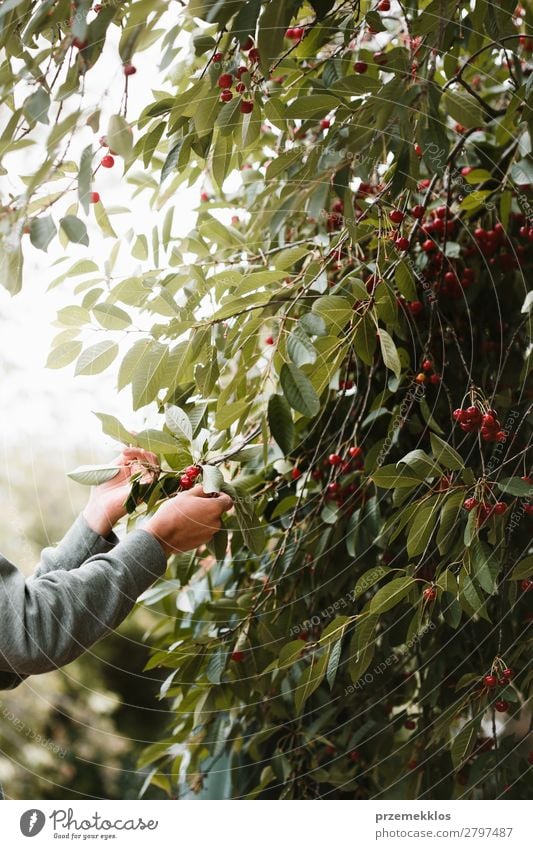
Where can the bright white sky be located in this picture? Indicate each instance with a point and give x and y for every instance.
(52, 409)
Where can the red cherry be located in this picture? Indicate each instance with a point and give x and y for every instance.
(499, 508)
(360, 67)
(237, 656)
(79, 43)
(240, 71)
(490, 681)
(246, 107)
(295, 473)
(409, 724)
(528, 509)
(441, 211)
(384, 6)
(428, 246)
(424, 184)
(397, 216)
(526, 585)
(427, 365)
(253, 55)
(247, 44)
(225, 81)
(217, 57)
(355, 451)
(502, 706)
(107, 161)
(470, 503)
(430, 594)
(325, 123)
(129, 70)
(354, 756)
(226, 96)
(204, 196)
(94, 197)
(334, 459)
(417, 211)
(466, 170)
(507, 674)
(457, 414)
(379, 57)
(240, 88)
(269, 340)
(435, 379)
(415, 307)
(402, 243)
(186, 482)
(333, 488)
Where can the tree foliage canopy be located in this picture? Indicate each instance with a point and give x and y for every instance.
(359, 270)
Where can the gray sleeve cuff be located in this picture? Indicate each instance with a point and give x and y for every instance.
(144, 557)
(79, 543)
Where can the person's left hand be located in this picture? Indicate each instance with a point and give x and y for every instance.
(106, 502)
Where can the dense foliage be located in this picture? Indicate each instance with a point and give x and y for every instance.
(342, 342)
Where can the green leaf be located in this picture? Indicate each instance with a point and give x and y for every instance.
(335, 311)
(463, 743)
(391, 594)
(389, 352)
(299, 390)
(119, 136)
(422, 526)
(312, 105)
(96, 358)
(523, 569)
(312, 324)
(111, 317)
(280, 422)
(212, 479)
(310, 680)
(42, 231)
(389, 477)
(112, 427)
(515, 486)
(74, 229)
(160, 442)
(85, 177)
(37, 107)
(94, 475)
(63, 354)
(178, 422)
(463, 108)
(404, 281)
(421, 464)
(333, 662)
(449, 516)
(272, 26)
(300, 348)
(445, 454)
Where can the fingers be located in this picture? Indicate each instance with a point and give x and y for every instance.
(223, 502)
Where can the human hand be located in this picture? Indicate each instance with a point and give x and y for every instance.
(188, 520)
(106, 502)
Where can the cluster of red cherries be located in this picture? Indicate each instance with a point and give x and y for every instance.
(228, 80)
(491, 681)
(188, 478)
(340, 466)
(473, 419)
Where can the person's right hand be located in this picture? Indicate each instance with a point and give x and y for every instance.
(188, 520)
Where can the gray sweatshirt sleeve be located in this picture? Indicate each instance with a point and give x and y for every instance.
(79, 543)
(49, 619)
